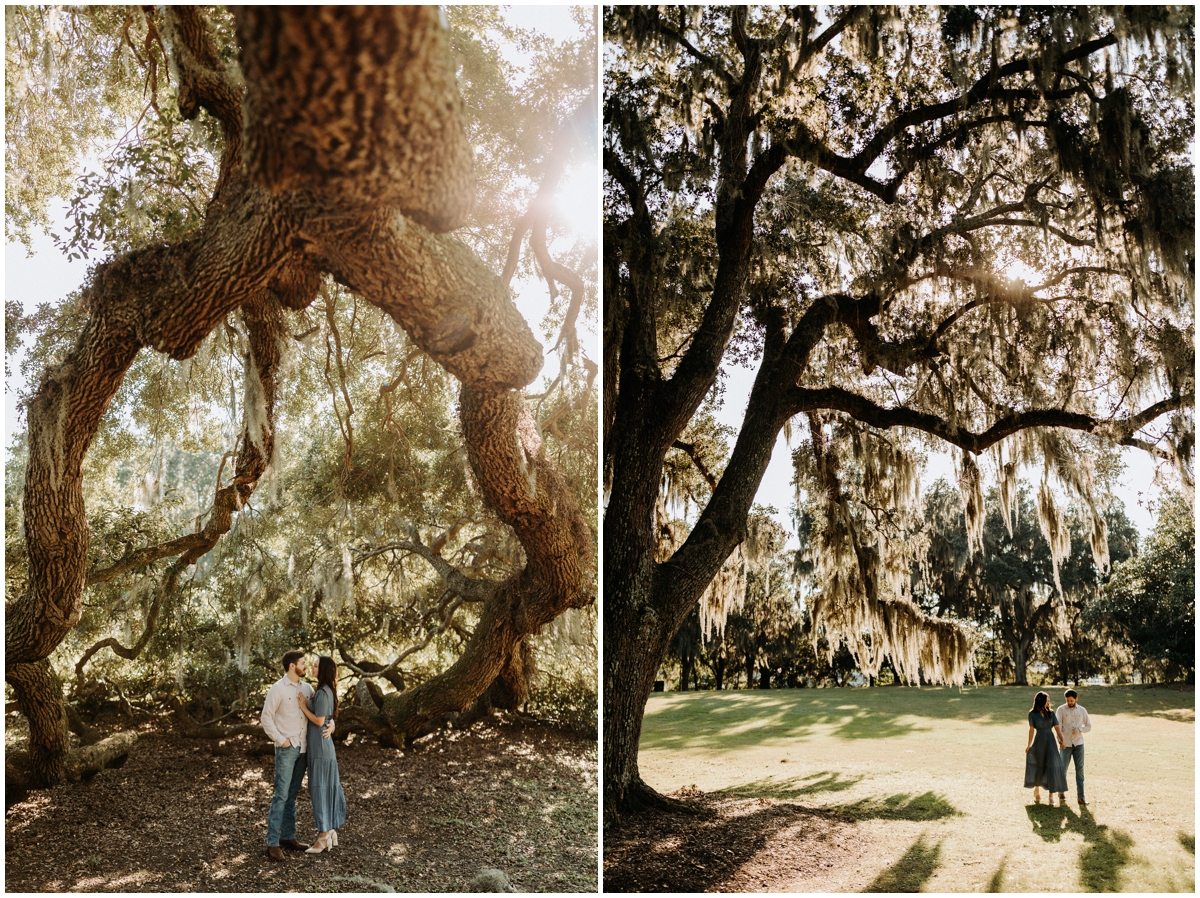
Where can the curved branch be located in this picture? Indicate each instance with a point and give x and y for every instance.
(1121, 431)
(205, 83)
(703, 58)
(471, 590)
(801, 144)
(168, 586)
(985, 88)
(372, 669)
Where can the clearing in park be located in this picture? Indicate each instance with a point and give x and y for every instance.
(903, 789)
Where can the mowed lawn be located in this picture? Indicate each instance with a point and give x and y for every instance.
(934, 777)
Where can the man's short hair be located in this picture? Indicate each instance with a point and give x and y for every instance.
(1071, 693)
(291, 658)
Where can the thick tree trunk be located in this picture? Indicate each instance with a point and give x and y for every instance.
(516, 681)
(21, 773)
(40, 697)
(1020, 655)
(524, 488)
(634, 657)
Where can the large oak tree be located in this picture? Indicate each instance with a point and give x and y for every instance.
(968, 227)
(340, 155)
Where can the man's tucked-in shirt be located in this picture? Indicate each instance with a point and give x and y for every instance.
(1073, 719)
(281, 714)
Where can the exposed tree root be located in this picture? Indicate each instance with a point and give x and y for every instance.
(20, 775)
(639, 798)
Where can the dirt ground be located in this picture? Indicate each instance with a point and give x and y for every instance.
(730, 845)
(187, 815)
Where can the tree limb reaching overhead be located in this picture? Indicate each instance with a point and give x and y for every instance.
(344, 155)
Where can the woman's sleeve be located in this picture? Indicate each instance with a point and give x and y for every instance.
(321, 703)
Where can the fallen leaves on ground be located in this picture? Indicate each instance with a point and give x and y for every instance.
(190, 815)
(727, 844)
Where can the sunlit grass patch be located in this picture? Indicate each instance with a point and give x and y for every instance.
(936, 774)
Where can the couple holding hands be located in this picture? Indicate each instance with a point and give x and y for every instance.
(1045, 762)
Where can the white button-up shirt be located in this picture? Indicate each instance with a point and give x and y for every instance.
(281, 714)
(1072, 720)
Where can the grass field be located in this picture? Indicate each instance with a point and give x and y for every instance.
(934, 779)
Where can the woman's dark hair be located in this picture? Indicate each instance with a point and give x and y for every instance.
(1041, 702)
(327, 676)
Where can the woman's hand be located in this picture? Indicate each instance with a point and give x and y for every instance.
(303, 701)
(1026, 749)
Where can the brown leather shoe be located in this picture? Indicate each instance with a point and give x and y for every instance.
(293, 844)
(275, 853)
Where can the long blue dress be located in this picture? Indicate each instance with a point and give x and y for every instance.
(324, 783)
(1043, 762)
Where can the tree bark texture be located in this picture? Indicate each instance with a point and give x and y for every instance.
(631, 661)
(39, 696)
(344, 153)
(521, 485)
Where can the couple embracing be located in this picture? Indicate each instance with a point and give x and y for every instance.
(299, 721)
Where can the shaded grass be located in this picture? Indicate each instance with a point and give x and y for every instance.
(1188, 841)
(901, 806)
(796, 787)
(728, 720)
(996, 883)
(1106, 851)
(929, 806)
(911, 872)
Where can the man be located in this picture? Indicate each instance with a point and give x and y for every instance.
(1073, 720)
(288, 729)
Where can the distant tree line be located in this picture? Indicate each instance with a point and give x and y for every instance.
(1138, 618)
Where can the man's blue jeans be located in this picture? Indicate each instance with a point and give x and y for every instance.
(289, 775)
(1076, 752)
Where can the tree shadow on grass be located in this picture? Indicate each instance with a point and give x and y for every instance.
(912, 871)
(796, 787)
(1106, 850)
(996, 883)
(1188, 841)
(865, 725)
(901, 806)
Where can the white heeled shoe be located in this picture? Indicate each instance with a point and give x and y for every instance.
(320, 845)
(333, 833)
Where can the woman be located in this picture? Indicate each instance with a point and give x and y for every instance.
(1043, 760)
(324, 784)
